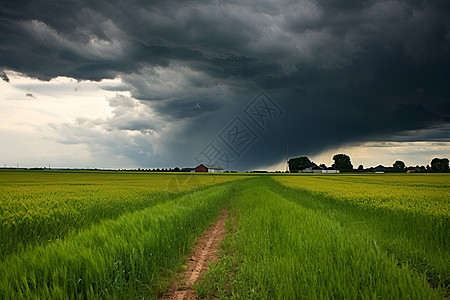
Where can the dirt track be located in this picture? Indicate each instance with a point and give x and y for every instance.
(205, 250)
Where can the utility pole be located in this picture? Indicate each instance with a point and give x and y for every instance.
(287, 156)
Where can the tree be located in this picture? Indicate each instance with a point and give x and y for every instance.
(342, 163)
(440, 165)
(399, 166)
(360, 168)
(300, 163)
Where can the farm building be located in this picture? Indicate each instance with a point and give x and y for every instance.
(306, 170)
(314, 169)
(318, 170)
(208, 169)
(379, 170)
(330, 171)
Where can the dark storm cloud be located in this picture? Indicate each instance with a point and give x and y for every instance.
(343, 71)
(187, 108)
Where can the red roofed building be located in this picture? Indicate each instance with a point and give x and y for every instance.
(208, 169)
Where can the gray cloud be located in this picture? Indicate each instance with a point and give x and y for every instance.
(343, 71)
(4, 77)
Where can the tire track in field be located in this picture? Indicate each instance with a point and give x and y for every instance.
(205, 250)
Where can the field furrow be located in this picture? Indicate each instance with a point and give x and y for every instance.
(83, 235)
(120, 258)
(289, 245)
(41, 206)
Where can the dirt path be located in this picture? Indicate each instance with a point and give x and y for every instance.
(205, 250)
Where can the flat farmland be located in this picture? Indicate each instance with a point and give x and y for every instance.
(126, 235)
(426, 193)
(39, 206)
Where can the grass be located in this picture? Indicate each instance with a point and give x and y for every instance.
(37, 207)
(122, 235)
(421, 193)
(293, 244)
(414, 238)
(120, 258)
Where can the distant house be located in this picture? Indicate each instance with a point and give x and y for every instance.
(318, 170)
(330, 171)
(203, 168)
(379, 169)
(306, 170)
(415, 170)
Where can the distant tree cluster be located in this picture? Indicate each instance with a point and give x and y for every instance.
(342, 162)
(300, 163)
(439, 165)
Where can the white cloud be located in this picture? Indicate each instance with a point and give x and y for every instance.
(27, 126)
(79, 123)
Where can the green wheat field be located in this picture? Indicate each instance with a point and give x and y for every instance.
(124, 235)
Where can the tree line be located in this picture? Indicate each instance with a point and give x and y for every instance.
(342, 162)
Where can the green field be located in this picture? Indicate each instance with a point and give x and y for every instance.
(122, 235)
(37, 207)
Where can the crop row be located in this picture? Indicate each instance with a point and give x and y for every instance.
(293, 244)
(294, 236)
(38, 207)
(421, 193)
(120, 258)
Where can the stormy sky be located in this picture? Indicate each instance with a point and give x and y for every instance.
(116, 84)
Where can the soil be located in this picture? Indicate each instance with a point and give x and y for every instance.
(205, 250)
